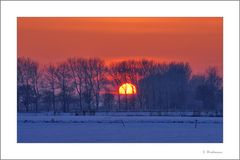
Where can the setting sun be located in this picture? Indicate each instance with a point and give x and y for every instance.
(127, 88)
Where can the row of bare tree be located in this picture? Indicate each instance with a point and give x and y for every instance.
(79, 84)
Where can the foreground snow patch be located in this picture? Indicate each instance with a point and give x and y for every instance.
(111, 119)
(120, 129)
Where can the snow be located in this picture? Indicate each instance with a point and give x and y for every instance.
(122, 113)
(42, 128)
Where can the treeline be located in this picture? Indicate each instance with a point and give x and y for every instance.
(88, 85)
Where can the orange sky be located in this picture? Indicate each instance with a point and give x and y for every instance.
(198, 41)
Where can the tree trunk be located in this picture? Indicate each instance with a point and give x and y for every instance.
(80, 98)
(54, 107)
(126, 101)
(36, 104)
(80, 101)
(64, 104)
(27, 100)
(26, 106)
(97, 101)
(18, 104)
(119, 105)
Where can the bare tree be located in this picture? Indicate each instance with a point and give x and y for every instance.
(62, 76)
(94, 79)
(99, 78)
(193, 102)
(28, 82)
(89, 84)
(77, 73)
(167, 87)
(20, 83)
(50, 83)
(120, 74)
(108, 100)
(36, 77)
(211, 91)
(124, 71)
(115, 75)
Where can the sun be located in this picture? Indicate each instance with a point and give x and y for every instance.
(127, 88)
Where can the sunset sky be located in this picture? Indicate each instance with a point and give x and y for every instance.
(198, 41)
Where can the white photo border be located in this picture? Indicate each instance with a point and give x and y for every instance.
(10, 10)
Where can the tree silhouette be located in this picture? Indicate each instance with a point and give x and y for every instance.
(50, 83)
(89, 85)
(28, 82)
(210, 91)
(62, 76)
(77, 73)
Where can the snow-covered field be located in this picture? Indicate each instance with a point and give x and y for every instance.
(34, 128)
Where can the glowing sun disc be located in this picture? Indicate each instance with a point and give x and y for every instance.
(127, 88)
